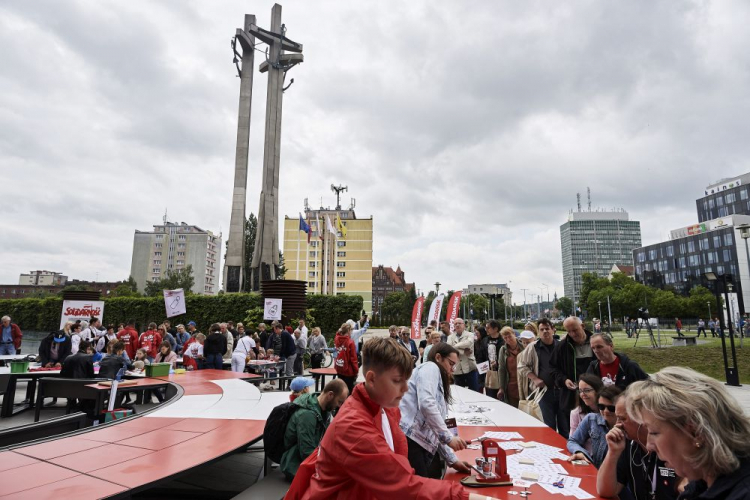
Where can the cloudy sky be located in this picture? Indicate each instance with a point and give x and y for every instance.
(464, 129)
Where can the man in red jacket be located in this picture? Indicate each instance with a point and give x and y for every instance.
(129, 337)
(347, 366)
(363, 453)
(150, 341)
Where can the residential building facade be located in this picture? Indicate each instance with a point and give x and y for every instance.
(173, 246)
(384, 281)
(594, 241)
(331, 263)
(42, 278)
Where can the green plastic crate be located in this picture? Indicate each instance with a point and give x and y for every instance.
(19, 366)
(158, 369)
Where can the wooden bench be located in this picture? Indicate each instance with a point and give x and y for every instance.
(40, 430)
(684, 340)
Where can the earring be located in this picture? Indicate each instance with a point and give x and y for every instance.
(697, 444)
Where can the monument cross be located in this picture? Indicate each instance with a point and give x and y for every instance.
(234, 262)
(266, 254)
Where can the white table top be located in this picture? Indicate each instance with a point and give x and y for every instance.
(475, 409)
(11, 357)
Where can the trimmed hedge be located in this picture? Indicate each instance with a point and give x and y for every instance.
(326, 311)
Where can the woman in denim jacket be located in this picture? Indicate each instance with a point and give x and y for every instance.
(594, 427)
(424, 409)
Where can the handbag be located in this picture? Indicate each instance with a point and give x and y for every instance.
(530, 405)
(492, 380)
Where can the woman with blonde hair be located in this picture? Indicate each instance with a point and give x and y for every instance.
(698, 429)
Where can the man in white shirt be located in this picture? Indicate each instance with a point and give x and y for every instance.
(303, 330)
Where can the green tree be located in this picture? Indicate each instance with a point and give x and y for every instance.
(173, 279)
(394, 308)
(73, 288)
(565, 305)
(251, 227)
(128, 288)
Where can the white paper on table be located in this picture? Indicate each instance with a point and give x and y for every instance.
(506, 436)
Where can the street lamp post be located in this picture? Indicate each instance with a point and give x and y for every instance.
(731, 373)
(600, 310)
(709, 310)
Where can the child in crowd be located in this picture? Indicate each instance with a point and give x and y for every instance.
(363, 453)
(300, 386)
(192, 356)
(140, 361)
(271, 371)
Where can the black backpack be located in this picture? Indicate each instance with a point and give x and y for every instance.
(273, 432)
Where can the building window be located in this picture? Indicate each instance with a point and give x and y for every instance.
(719, 201)
(180, 262)
(159, 236)
(340, 264)
(311, 284)
(180, 245)
(313, 274)
(340, 254)
(728, 239)
(341, 284)
(182, 237)
(180, 254)
(341, 243)
(155, 270)
(314, 243)
(727, 255)
(743, 194)
(313, 263)
(157, 245)
(717, 241)
(341, 274)
(157, 254)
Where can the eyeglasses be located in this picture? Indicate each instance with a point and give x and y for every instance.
(610, 408)
(585, 391)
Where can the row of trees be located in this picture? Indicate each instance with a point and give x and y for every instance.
(626, 296)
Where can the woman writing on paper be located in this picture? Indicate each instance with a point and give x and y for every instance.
(424, 409)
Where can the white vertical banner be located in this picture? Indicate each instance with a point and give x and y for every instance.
(435, 308)
(174, 302)
(272, 309)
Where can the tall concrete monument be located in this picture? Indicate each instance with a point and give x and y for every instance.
(266, 254)
(234, 261)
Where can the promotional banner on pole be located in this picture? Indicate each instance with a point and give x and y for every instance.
(435, 309)
(416, 319)
(74, 310)
(453, 306)
(174, 302)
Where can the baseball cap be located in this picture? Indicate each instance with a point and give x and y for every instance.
(299, 383)
(527, 335)
(191, 323)
(59, 337)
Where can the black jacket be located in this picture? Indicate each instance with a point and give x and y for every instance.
(734, 486)
(628, 372)
(565, 366)
(79, 365)
(109, 366)
(46, 344)
(484, 352)
(216, 343)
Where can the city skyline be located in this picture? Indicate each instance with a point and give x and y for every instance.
(465, 131)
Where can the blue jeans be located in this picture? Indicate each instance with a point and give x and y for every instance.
(8, 348)
(215, 361)
(470, 380)
(553, 413)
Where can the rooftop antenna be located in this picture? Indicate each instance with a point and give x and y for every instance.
(165, 216)
(338, 189)
(588, 191)
(307, 206)
(578, 197)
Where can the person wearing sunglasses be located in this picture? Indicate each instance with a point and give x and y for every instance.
(424, 409)
(594, 428)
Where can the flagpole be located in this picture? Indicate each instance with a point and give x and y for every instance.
(298, 255)
(325, 264)
(307, 256)
(335, 260)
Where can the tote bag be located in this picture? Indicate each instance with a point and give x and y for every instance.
(530, 405)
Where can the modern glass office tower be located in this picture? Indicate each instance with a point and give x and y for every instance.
(592, 242)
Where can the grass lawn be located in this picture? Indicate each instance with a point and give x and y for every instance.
(705, 358)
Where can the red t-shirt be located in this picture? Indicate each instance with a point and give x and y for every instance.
(150, 341)
(609, 371)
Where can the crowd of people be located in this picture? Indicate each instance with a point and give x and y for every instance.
(638, 431)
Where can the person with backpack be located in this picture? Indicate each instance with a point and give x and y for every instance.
(308, 423)
(346, 364)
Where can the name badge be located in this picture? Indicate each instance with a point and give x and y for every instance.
(666, 472)
(452, 425)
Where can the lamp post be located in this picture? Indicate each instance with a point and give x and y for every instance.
(600, 310)
(731, 373)
(709, 310)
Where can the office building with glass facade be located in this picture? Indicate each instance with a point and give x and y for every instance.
(592, 242)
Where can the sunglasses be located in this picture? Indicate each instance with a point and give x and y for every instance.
(610, 408)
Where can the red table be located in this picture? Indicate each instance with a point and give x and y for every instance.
(320, 373)
(544, 435)
(128, 455)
